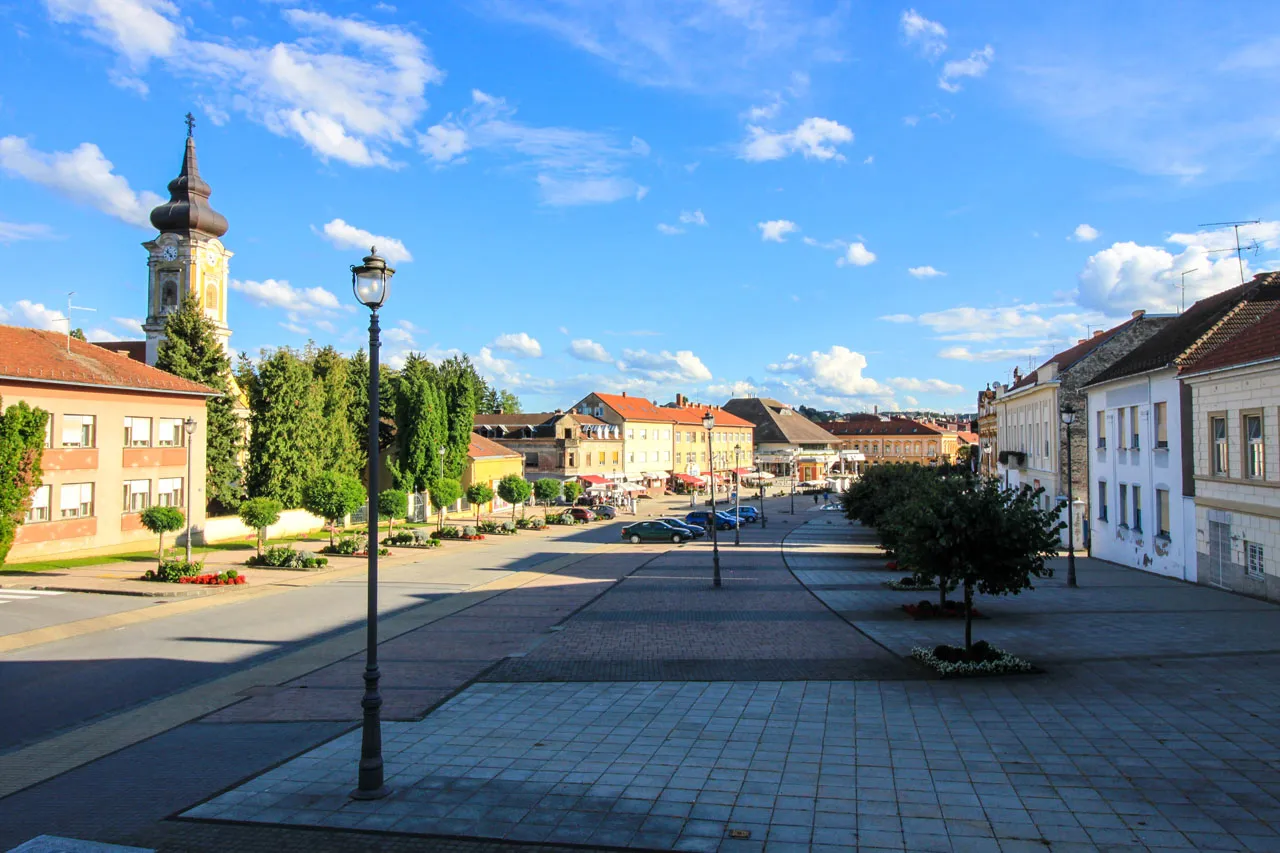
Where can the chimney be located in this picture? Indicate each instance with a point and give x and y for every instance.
(559, 411)
(1098, 333)
(1140, 312)
(1081, 340)
(680, 400)
(875, 410)
(624, 393)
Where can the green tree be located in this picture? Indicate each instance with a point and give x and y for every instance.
(22, 430)
(191, 349)
(340, 445)
(445, 492)
(421, 424)
(479, 494)
(546, 490)
(392, 504)
(990, 539)
(572, 491)
(495, 400)
(462, 388)
(161, 520)
(514, 489)
(260, 513)
(78, 334)
(332, 496)
(286, 428)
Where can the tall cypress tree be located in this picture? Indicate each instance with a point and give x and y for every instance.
(462, 388)
(286, 437)
(421, 424)
(340, 445)
(191, 349)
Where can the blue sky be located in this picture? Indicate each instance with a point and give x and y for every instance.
(839, 204)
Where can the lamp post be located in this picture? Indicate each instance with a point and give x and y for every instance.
(189, 427)
(793, 482)
(440, 453)
(709, 422)
(737, 494)
(371, 282)
(1068, 416)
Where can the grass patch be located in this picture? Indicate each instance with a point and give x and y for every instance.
(104, 559)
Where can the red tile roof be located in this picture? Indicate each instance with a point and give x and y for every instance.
(136, 350)
(1069, 356)
(484, 448)
(1258, 342)
(690, 414)
(33, 355)
(875, 425)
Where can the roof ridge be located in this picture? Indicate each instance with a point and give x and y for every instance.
(1238, 307)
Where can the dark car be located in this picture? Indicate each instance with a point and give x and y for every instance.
(703, 518)
(583, 500)
(604, 511)
(694, 530)
(746, 513)
(654, 531)
(582, 513)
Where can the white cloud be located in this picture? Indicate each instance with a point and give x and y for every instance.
(965, 354)
(924, 272)
(1127, 276)
(132, 327)
(815, 138)
(929, 36)
(975, 66)
(519, 343)
(738, 388)
(83, 175)
(869, 160)
(664, 366)
(776, 230)
(572, 166)
(136, 29)
(13, 232)
(858, 255)
(24, 312)
(1042, 321)
(346, 236)
(669, 230)
(1084, 233)
(347, 88)
(308, 303)
(837, 371)
(926, 386)
(693, 218)
(585, 349)
(898, 318)
(488, 363)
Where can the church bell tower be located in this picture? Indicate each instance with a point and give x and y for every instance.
(187, 258)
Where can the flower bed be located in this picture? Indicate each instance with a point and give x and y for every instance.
(227, 578)
(412, 539)
(467, 534)
(929, 610)
(982, 659)
(506, 528)
(911, 584)
(535, 523)
(284, 557)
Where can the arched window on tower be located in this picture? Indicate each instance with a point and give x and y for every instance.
(168, 292)
(211, 295)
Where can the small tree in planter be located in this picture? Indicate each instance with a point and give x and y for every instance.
(161, 520)
(479, 494)
(444, 492)
(514, 489)
(572, 491)
(986, 537)
(260, 513)
(333, 497)
(393, 504)
(546, 490)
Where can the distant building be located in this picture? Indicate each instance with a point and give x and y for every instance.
(987, 432)
(1235, 428)
(488, 462)
(115, 443)
(784, 437)
(562, 445)
(886, 439)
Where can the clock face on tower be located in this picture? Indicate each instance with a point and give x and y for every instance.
(169, 253)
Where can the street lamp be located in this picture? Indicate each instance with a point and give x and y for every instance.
(793, 482)
(737, 494)
(1068, 416)
(189, 427)
(371, 283)
(440, 452)
(709, 422)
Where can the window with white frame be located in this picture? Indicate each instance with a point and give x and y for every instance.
(644, 433)
(75, 500)
(1133, 427)
(1102, 428)
(48, 432)
(1124, 505)
(169, 491)
(644, 456)
(1218, 432)
(1162, 513)
(169, 432)
(39, 509)
(1160, 413)
(677, 457)
(78, 430)
(137, 432)
(1120, 429)
(1254, 463)
(631, 433)
(1102, 500)
(1253, 559)
(666, 456)
(137, 495)
(1137, 508)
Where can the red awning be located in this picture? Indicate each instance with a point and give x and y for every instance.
(689, 478)
(742, 472)
(594, 480)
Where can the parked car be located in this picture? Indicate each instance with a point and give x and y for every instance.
(746, 513)
(703, 518)
(604, 511)
(832, 507)
(582, 513)
(654, 531)
(694, 530)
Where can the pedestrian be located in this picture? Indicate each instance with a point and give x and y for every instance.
(815, 498)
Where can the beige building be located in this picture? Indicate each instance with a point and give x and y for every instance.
(563, 445)
(115, 443)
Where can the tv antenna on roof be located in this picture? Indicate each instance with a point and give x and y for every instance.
(70, 308)
(1183, 284)
(1239, 251)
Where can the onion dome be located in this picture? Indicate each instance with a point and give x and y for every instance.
(188, 210)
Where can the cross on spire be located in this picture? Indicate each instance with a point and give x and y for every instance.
(191, 123)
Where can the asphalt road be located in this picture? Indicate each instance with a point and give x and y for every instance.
(27, 609)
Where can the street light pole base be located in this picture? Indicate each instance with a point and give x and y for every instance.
(375, 794)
